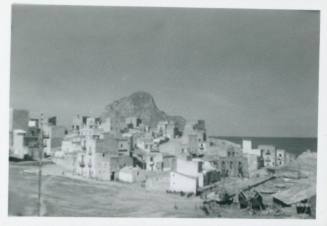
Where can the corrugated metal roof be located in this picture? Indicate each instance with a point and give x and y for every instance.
(296, 194)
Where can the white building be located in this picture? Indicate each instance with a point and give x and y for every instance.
(19, 150)
(188, 176)
(86, 157)
(253, 163)
(247, 148)
(18, 125)
(183, 183)
(191, 168)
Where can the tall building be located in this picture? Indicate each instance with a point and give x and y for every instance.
(54, 137)
(280, 157)
(18, 126)
(18, 119)
(268, 153)
(247, 148)
(99, 158)
(77, 123)
(19, 149)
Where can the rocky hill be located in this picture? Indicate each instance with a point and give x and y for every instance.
(140, 104)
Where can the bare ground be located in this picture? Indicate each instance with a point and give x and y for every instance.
(64, 196)
(69, 196)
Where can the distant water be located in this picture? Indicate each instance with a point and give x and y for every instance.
(293, 145)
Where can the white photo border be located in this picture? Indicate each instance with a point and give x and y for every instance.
(5, 37)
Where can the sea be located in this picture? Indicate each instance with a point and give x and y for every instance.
(295, 145)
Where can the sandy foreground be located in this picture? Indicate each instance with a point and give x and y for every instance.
(66, 195)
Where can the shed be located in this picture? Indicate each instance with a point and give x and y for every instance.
(297, 194)
(252, 199)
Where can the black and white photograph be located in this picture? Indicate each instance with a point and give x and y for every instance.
(163, 112)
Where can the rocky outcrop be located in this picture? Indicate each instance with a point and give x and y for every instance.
(142, 105)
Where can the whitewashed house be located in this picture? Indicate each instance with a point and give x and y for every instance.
(183, 183)
(187, 177)
(19, 150)
(247, 148)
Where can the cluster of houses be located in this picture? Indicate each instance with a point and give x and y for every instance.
(265, 156)
(107, 149)
(24, 135)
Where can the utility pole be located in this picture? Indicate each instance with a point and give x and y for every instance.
(41, 146)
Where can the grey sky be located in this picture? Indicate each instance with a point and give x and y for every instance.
(246, 72)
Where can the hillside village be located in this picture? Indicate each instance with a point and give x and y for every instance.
(171, 155)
